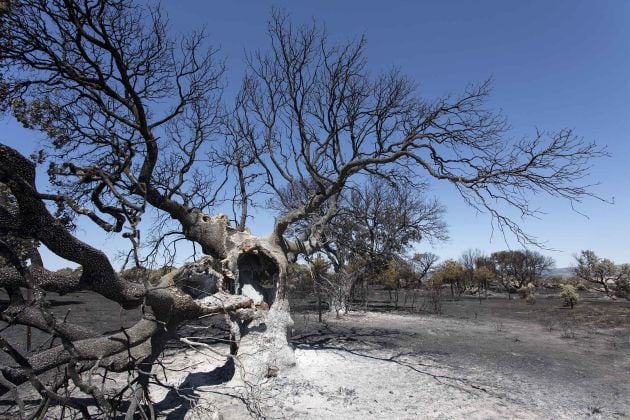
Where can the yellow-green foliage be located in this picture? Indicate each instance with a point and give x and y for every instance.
(483, 275)
(569, 295)
(450, 271)
(319, 265)
(355, 264)
(434, 282)
(391, 275)
(622, 283)
(530, 299)
(138, 275)
(67, 271)
(299, 277)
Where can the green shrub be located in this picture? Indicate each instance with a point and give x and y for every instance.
(530, 299)
(569, 295)
(139, 275)
(622, 288)
(527, 293)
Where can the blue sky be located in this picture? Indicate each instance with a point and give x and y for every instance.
(553, 64)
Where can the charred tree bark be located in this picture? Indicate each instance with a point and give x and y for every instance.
(166, 306)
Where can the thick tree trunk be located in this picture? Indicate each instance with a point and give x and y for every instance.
(239, 264)
(319, 306)
(257, 268)
(338, 307)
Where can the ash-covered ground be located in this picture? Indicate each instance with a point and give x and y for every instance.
(496, 359)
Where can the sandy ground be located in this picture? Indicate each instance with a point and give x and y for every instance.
(389, 366)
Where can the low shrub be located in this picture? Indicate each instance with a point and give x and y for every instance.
(527, 293)
(530, 299)
(569, 295)
(622, 288)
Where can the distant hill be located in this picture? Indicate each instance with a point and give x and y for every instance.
(560, 271)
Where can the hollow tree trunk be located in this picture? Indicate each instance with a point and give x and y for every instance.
(255, 267)
(258, 269)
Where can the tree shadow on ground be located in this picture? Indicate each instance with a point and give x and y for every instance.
(184, 397)
(325, 335)
(175, 404)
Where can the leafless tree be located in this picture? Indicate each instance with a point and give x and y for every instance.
(422, 264)
(532, 267)
(236, 154)
(468, 260)
(131, 113)
(375, 225)
(516, 269)
(334, 285)
(128, 112)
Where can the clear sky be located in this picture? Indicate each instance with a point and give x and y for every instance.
(554, 64)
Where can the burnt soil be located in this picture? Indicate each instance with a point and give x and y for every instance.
(548, 360)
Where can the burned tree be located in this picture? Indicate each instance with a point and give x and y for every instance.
(370, 227)
(374, 227)
(516, 269)
(468, 260)
(599, 271)
(130, 113)
(450, 272)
